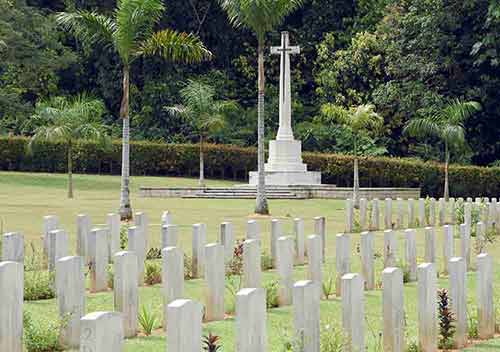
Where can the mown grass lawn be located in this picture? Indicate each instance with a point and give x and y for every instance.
(26, 198)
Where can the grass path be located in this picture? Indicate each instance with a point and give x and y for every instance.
(26, 198)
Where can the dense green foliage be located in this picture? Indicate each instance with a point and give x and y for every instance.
(407, 57)
(149, 158)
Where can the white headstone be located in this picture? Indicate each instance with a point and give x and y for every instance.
(411, 253)
(114, 229)
(465, 244)
(251, 325)
(215, 275)
(393, 310)
(306, 315)
(448, 246)
(362, 213)
(11, 314)
(13, 247)
(427, 307)
(98, 256)
(430, 245)
(353, 311)
(172, 278)
(284, 264)
(58, 247)
(320, 230)
(388, 214)
(50, 223)
(185, 326)
(252, 271)
(102, 332)
(485, 305)
(375, 218)
(83, 227)
(227, 239)
(349, 216)
(314, 268)
(142, 222)
(300, 241)
(458, 297)
(390, 248)
(137, 244)
(169, 236)
(126, 290)
(253, 231)
(276, 232)
(367, 259)
(342, 260)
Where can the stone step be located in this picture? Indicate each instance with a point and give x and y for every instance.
(246, 195)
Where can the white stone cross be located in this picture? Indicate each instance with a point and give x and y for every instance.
(285, 50)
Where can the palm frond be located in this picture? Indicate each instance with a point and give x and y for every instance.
(459, 111)
(175, 46)
(89, 27)
(136, 20)
(422, 127)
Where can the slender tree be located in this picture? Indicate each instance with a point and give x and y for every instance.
(131, 34)
(204, 112)
(68, 120)
(448, 126)
(260, 16)
(360, 119)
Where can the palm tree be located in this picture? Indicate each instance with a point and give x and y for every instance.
(130, 33)
(205, 113)
(260, 16)
(448, 126)
(360, 119)
(68, 120)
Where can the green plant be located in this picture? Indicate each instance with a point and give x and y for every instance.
(38, 285)
(152, 275)
(211, 343)
(111, 276)
(331, 338)
(235, 265)
(40, 336)
(266, 262)
(147, 320)
(233, 285)
(124, 236)
(446, 321)
(271, 288)
(329, 287)
(187, 267)
(153, 253)
(413, 347)
(406, 271)
(473, 324)
(131, 34)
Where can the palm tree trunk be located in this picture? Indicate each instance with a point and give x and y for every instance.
(355, 193)
(70, 170)
(446, 180)
(125, 208)
(202, 164)
(261, 206)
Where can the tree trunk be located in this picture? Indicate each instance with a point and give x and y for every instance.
(202, 164)
(261, 206)
(70, 170)
(446, 181)
(355, 190)
(125, 208)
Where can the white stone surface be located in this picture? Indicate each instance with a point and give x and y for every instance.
(166, 218)
(284, 265)
(411, 253)
(50, 223)
(185, 326)
(388, 214)
(368, 259)
(114, 229)
(253, 230)
(399, 213)
(427, 307)
(314, 268)
(102, 332)
(98, 257)
(169, 236)
(126, 290)
(215, 276)
(363, 207)
(375, 218)
(452, 208)
(251, 320)
(252, 271)
(83, 227)
(13, 247)
(349, 215)
(198, 249)
(393, 310)
(137, 244)
(172, 278)
(300, 241)
(412, 220)
(442, 211)
(432, 212)
(11, 314)
(353, 312)
(485, 305)
(342, 260)
(390, 248)
(458, 297)
(227, 239)
(306, 315)
(142, 222)
(421, 213)
(70, 293)
(465, 244)
(448, 246)
(480, 236)
(58, 247)
(430, 245)
(276, 232)
(320, 230)
(468, 213)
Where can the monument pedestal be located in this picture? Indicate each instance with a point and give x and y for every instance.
(285, 166)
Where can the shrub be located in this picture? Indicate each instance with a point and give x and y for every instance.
(233, 285)
(124, 236)
(38, 285)
(235, 265)
(40, 336)
(211, 343)
(152, 275)
(328, 287)
(446, 321)
(111, 276)
(331, 338)
(225, 161)
(147, 320)
(266, 262)
(188, 265)
(153, 253)
(271, 288)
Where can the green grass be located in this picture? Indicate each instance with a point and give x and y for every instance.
(26, 198)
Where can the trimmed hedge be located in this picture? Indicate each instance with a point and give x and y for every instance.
(224, 161)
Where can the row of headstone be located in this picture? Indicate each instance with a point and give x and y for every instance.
(417, 215)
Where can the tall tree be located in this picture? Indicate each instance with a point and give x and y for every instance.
(68, 120)
(131, 34)
(448, 126)
(204, 112)
(361, 120)
(260, 16)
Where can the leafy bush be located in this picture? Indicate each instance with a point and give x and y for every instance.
(211, 343)
(233, 285)
(153, 253)
(40, 336)
(331, 338)
(124, 237)
(111, 277)
(446, 321)
(152, 275)
(266, 262)
(187, 268)
(38, 285)
(227, 161)
(328, 287)
(235, 265)
(147, 320)
(271, 288)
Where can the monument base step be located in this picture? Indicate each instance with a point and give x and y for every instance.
(287, 178)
